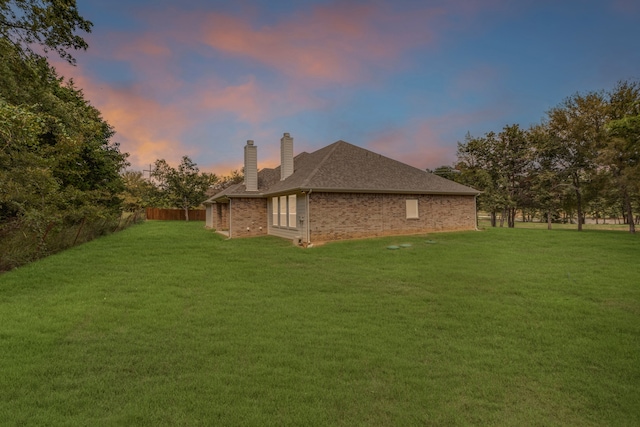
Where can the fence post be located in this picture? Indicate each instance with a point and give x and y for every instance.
(79, 230)
(44, 236)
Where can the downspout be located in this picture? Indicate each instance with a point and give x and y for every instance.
(475, 206)
(308, 219)
(229, 219)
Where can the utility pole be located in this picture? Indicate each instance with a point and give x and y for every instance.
(150, 170)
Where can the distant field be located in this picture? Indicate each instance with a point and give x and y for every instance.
(590, 225)
(167, 323)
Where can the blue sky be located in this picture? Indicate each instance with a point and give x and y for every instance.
(407, 79)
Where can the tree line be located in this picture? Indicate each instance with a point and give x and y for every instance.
(582, 159)
(60, 179)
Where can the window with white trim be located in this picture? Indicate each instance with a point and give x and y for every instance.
(274, 210)
(292, 211)
(283, 211)
(412, 209)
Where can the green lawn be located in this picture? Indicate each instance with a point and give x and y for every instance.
(167, 323)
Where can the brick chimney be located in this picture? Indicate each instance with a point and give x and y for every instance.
(251, 166)
(286, 156)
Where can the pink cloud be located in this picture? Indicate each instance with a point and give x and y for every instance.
(252, 102)
(418, 144)
(149, 130)
(146, 128)
(147, 45)
(425, 143)
(335, 43)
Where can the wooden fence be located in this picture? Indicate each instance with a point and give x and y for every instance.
(175, 214)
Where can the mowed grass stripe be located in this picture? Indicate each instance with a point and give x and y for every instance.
(168, 323)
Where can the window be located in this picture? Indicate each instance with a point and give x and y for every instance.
(274, 210)
(283, 211)
(412, 209)
(292, 211)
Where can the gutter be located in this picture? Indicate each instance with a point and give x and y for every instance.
(373, 191)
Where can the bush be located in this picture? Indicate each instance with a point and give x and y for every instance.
(27, 239)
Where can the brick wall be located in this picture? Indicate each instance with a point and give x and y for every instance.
(450, 213)
(248, 217)
(221, 216)
(338, 216)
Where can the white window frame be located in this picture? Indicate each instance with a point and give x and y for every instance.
(292, 211)
(283, 211)
(412, 209)
(274, 211)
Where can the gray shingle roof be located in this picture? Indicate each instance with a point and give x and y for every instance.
(343, 167)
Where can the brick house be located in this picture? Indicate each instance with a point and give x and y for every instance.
(338, 192)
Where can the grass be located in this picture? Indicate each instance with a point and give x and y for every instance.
(166, 323)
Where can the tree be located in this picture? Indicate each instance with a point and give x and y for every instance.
(446, 171)
(513, 161)
(49, 23)
(477, 168)
(621, 153)
(26, 179)
(234, 177)
(548, 187)
(185, 187)
(138, 191)
(577, 129)
(497, 164)
(72, 149)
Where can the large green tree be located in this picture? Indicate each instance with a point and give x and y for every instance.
(621, 154)
(499, 165)
(478, 168)
(49, 126)
(548, 185)
(577, 129)
(185, 187)
(513, 159)
(138, 193)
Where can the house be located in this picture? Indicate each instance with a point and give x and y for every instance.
(338, 192)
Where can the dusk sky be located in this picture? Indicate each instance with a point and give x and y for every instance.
(407, 79)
